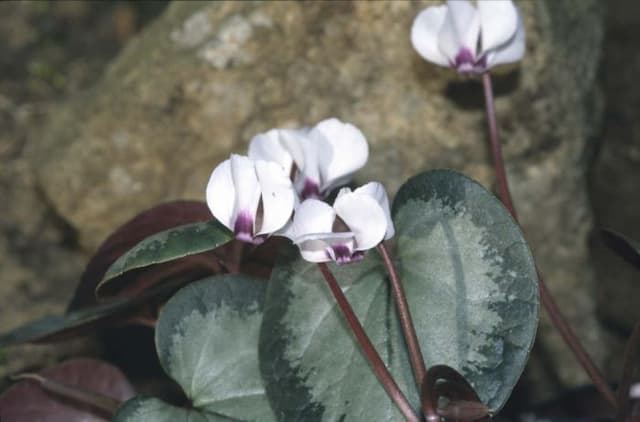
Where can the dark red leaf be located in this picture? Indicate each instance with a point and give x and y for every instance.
(153, 220)
(28, 401)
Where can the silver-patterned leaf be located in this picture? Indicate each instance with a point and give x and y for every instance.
(207, 341)
(471, 286)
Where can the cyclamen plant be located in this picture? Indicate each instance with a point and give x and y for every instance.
(436, 324)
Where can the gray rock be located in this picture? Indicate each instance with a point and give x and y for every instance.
(199, 82)
(47, 55)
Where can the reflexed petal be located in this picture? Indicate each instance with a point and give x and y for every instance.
(498, 20)
(460, 29)
(343, 191)
(511, 51)
(268, 147)
(291, 140)
(246, 185)
(278, 197)
(377, 192)
(342, 150)
(364, 217)
(311, 217)
(314, 251)
(321, 247)
(424, 34)
(221, 194)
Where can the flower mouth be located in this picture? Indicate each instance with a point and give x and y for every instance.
(466, 63)
(243, 229)
(310, 190)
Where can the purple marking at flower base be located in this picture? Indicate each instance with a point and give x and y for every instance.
(463, 58)
(243, 228)
(465, 62)
(342, 254)
(310, 190)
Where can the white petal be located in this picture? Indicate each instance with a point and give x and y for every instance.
(511, 51)
(291, 140)
(364, 217)
(498, 22)
(378, 192)
(314, 251)
(278, 197)
(268, 147)
(343, 191)
(460, 29)
(246, 185)
(221, 194)
(424, 34)
(342, 150)
(309, 169)
(312, 216)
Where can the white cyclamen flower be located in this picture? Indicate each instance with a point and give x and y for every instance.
(467, 38)
(358, 221)
(318, 159)
(251, 198)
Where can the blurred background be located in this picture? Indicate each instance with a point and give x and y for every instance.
(107, 108)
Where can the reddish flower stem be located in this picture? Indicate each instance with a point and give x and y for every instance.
(547, 300)
(496, 147)
(369, 350)
(629, 364)
(406, 322)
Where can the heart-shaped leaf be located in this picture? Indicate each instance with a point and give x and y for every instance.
(27, 401)
(461, 252)
(207, 341)
(171, 244)
(471, 285)
(156, 219)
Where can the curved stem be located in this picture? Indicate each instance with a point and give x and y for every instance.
(558, 320)
(406, 322)
(570, 337)
(369, 350)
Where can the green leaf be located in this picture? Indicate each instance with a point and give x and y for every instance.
(53, 328)
(178, 242)
(207, 341)
(471, 285)
(464, 256)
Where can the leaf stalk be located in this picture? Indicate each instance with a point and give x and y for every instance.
(406, 321)
(381, 371)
